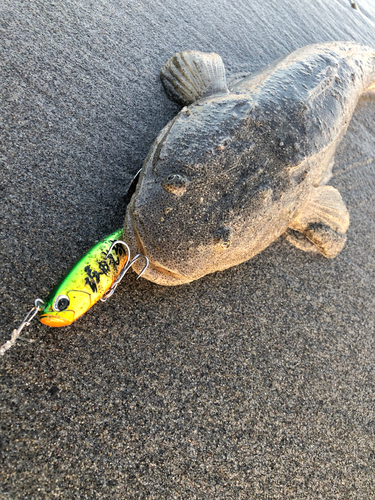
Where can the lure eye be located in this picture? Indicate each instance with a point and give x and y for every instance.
(61, 303)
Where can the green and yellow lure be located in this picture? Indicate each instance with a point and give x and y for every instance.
(86, 283)
(94, 277)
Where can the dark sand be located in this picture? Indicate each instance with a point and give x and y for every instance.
(256, 382)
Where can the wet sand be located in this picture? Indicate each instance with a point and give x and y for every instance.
(256, 382)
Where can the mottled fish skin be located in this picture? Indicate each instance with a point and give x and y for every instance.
(232, 171)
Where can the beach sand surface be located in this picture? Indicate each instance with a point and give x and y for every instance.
(255, 382)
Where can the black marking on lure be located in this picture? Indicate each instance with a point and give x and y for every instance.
(93, 277)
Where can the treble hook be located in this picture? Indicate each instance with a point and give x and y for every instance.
(126, 268)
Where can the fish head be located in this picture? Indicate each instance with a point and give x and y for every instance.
(203, 193)
(64, 306)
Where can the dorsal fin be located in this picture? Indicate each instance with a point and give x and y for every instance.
(190, 75)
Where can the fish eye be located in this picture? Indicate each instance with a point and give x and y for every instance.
(175, 184)
(174, 177)
(61, 303)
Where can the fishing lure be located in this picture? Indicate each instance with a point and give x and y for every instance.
(94, 277)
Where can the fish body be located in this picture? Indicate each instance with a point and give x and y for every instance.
(243, 163)
(86, 283)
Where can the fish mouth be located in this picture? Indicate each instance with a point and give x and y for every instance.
(56, 321)
(155, 272)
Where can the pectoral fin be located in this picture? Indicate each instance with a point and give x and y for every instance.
(322, 223)
(190, 75)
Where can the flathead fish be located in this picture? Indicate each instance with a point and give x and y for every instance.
(247, 161)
